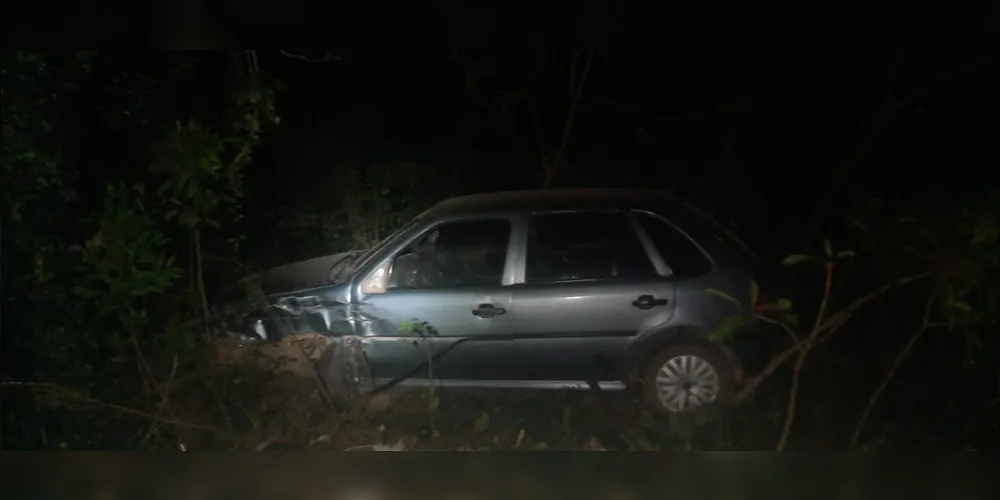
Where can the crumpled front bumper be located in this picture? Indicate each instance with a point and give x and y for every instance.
(303, 316)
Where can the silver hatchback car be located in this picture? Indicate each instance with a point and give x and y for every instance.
(541, 289)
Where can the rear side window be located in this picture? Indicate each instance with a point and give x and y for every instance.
(583, 246)
(679, 252)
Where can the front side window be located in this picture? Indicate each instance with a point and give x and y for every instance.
(455, 254)
(584, 246)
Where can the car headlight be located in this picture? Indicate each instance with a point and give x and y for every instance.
(258, 327)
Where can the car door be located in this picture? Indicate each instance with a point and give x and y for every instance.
(443, 296)
(589, 285)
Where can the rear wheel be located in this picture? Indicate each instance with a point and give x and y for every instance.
(687, 377)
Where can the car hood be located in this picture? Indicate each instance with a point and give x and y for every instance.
(287, 278)
(304, 274)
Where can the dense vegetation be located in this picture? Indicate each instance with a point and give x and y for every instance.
(131, 194)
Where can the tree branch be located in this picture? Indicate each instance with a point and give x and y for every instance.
(825, 330)
(793, 395)
(786, 328)
(576, 89)
(925, 324)
(70, 395)
(327, 57)
(164, 400)
(881, 120)
(830, 325)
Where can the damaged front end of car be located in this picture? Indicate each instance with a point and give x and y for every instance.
(305, 297)
(275, 323)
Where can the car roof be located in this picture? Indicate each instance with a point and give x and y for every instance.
(554, 199)
(578, 199)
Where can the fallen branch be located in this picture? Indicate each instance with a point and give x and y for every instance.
(925, 324)
(399, 446)
(327, 57)
(163, 402)
(74, 396)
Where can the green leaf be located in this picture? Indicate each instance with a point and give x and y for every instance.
(723, 295)
(778, 305)
(962, 306)
(482, 423)
(792, 260)
(844, 254)
(727, 328)
(827, 247)
(754, 292)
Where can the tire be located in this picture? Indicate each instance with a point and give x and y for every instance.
(335, 368)
(698, 359)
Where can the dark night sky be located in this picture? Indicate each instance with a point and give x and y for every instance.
(793, 114)
(762, 104)
(644, 27)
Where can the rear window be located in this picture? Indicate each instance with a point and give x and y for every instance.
(678, 251)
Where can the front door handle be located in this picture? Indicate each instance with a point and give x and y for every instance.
(645, 302)
(488, 311)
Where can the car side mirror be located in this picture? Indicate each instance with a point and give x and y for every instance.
(376, 281)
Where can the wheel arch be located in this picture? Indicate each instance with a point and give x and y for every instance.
(647, 346)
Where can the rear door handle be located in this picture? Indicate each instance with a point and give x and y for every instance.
(645, 302)
(488, 311)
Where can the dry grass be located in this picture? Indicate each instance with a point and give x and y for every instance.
(267, 397)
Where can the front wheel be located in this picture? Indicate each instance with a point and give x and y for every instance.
(684, 378)
(345, 373)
